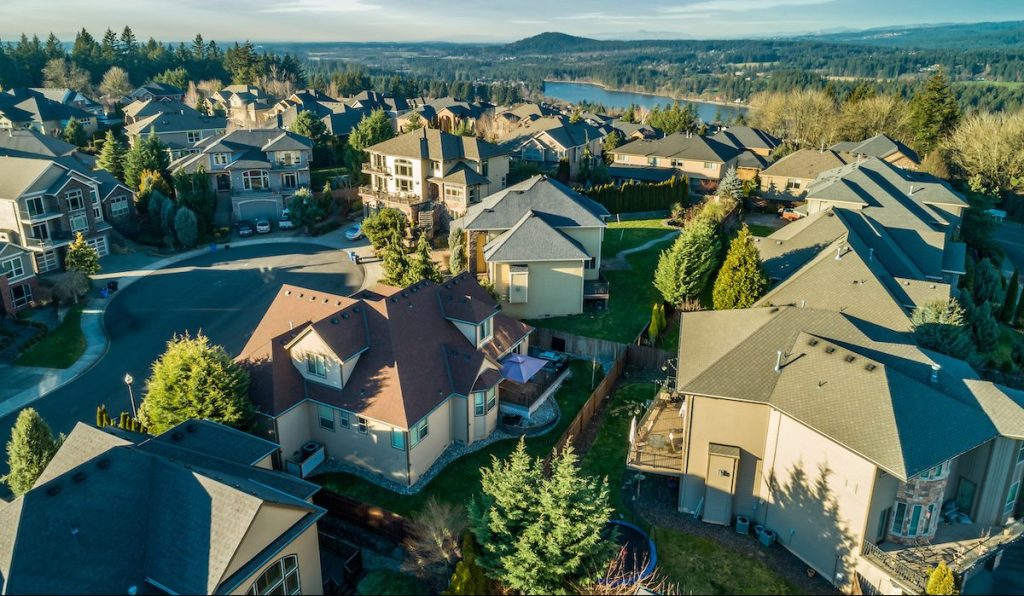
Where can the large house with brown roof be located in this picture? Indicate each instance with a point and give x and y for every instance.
(789, 177)
(547, 140)
(883, 147)
(702, 160)
(383, 381)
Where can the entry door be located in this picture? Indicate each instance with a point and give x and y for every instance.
(965, 495)
(719, 488)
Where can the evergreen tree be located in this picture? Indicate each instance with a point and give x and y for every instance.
(684, 268)
(412, 122)
(1009, 308)
(385, 226)
(654, 329)
(147, 153)
(611, 142)
(305, 209)
(941, 581)
(395, 263)
(193, 190)
(457, 262)
(469, 578)
(74, 133)
(742, 279)
(195, 379)
(422, 266)
(371, 130)
(309, 126)
(942, 326)
(111, 157)
(29, 450)
(186, 227)
(731, 187)
(81, 257)
(988, 283)
(933, 112)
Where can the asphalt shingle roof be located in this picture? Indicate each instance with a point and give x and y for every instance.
(559, 205)
(430, 143)
(681, 146)
(533, 239)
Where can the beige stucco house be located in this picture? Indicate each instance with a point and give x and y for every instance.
(539, 243)
(432, 176)
(198, 509)
(702, 160)
(22, 107)
(883, 147)
(789, 177)
(384, 381)
(547, 140)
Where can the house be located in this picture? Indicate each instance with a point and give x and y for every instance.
(141, 109)
(549, 140)
(745, 138)
(702, 160)
(244, 105)
(157, 91)
(70, 97)
(539, 243)
(883, 147)
(448, 113)
(27, 142)
(27, 108)
(45, 201)
(179, 130)
(788, 177)
(385, 381)
(198, 509)
(254, 171)
(339, 117)
(370, 101)
(431, 175)
(632, 131)
(17, 279)
(527, 111)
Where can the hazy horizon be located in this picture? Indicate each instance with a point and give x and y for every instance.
(445, 20)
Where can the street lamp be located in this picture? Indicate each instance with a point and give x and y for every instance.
(128, 381)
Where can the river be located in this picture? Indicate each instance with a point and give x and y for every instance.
(577, 92)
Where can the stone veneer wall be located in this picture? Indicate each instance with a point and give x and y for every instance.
(923, 492)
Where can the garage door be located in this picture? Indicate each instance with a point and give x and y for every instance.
(269, 208)
(99, 244)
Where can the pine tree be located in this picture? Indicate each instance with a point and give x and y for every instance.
(731, 187)
(305, 209)
(81, 257)
(684, 268)
(457, 262)
(111, 157)
(942, 325)
(654, 329)
(742, 279)
(384, 226)
(941, 581)
(195, 379)
(1009, 307)
(395, 263)
(933, 112)
(202, 106)
(29, 450)
(422, 266)
(186, 227)
(371, 130)
(74, 133)
(309, 126)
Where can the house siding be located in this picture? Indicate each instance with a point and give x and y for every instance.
(306, 547)
(555, 288)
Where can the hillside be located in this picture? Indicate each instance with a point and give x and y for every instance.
(1007, 35)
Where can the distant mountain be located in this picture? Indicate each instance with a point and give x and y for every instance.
(1006, 34)
(557, 43)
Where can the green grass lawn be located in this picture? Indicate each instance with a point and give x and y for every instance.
(461, 479)
(632, 292)
(318, 176)
(702, 566)
(61, 347)
(383, 581)
(760, 230)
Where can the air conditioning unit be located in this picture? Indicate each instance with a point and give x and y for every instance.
(310, 448)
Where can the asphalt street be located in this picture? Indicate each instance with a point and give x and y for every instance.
(224, 294)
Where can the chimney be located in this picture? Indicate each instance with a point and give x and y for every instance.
(778, 361)
(935, 373)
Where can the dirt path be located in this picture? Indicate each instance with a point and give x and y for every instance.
(619, 261)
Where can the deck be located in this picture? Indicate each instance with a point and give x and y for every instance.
(658, 445)
(525, 398)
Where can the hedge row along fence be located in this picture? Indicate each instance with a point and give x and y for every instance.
(634, 197)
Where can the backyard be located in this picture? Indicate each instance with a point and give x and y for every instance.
(461, 479)
(61, 347)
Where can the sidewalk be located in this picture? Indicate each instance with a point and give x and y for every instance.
(23, 385)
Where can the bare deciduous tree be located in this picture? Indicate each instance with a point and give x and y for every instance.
(434, 535)
(988, 149)
(115, 84)
(623, 577)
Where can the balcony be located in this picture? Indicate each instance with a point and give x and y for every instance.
(369, 168)
(393, 198)
(657, 445)
(597, 289)
(56, 239)
(40, 217)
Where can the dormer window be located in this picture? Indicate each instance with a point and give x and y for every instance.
(220, 159)
(316, 364)
(289, 158)
(484, 331)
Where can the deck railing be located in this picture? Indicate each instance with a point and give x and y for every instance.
(896, 568)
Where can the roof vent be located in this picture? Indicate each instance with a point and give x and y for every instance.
(850, 358)
(287, 292)
(53, 490)
(778, 361)
(345, 315)
(812, 342)
(394, 299)
(78, 477)
(870, 366)
(405, 294)
(192, 427)
(357, 310)
(830, 349)
(178, 435)
(335, 321)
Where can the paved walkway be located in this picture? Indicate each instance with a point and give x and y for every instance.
(24, 385)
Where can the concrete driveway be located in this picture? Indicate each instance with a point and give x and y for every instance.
(224, 294)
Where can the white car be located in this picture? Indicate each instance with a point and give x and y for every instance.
(262, 225)
(285, 221)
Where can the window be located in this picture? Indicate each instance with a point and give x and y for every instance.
(478, 403)
(1011, 498)
(403, 184)
(492, 398)
(12, 268)
(897, 520)
(21, 295)
(41, 232)
(518, 282)
(453, 193)
(289, 180)
(280, 578)
(483, 167)
(193, 136)
(435, 166)
(255, 180)
(343, 419)
(915, 518)
(119, 206)
(35, 206)
(1020, 454)
(419, 432)
(97, 209)
(676, 163)
(792, 184)
(79, 222)
(708, 165)
(652, 161)
(361, 425)
(590, 263)
(74, 199)
(316, 364)
(403, 167)
(220, 159)
(398, 439)
(882, 520)
(484, 330)
(326, 415)
(289, 158)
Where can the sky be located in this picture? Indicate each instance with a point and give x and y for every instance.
(458, 20)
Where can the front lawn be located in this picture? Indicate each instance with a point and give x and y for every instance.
(61, 348)
(461, 479)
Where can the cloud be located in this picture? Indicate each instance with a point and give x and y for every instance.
(718, 6)
(321, 6)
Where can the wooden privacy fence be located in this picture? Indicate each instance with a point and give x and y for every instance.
(577, 345)
(597, 397)
(365, 516)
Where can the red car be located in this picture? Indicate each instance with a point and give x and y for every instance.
(790, 214)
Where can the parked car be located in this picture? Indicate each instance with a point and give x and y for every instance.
(790, 214)
(262, 225)
(245, 228)
(355, 232)
(285, 221)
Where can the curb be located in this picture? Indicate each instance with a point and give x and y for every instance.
(97, 342)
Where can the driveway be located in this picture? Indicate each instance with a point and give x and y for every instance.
(224, 294)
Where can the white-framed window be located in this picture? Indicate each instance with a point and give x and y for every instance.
(435, 167)
(280, 578)
(34, 206)
(478, 403)
(518, 284)
(289, 180)
(1011, 498)
(915, 519)
(403, 167)
(403, 184)
(13, 268)
(255, 180)
(41, 232)
(119, 206)
(361, 426)
(492, 398)
(483, 167)
(325, 414)
(343, 419)
(484, 330)
(676, 163)
(453, 193)
(21, 295)
(79, 222)
(793, 184)
(75, 199)
(97, 209)
(708, 165)
(193, 136)
(289, 158)
(652, 161)
(398, 439)
(220, 159)
(316, 364)
(590, 263)
(419, 432)
(897, 519)
(936, 473)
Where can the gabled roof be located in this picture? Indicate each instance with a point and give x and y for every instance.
(681, 146)
(27, 142)
(807, 163)
(463, 109)
(430, 143)
(880, 146)
(560, 206)
(144, 108)
(180, 121)
(23, 175)
(548, 130)
(744, 137)
(464, 175)
(533, 239)
(25, 105)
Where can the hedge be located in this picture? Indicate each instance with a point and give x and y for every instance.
(639, 197)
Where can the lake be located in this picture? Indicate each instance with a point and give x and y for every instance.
(577, 92)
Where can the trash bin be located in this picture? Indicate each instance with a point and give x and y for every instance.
(213, 247)
(352, 256)
(112, 286)
(767, 537)
(742, 524)
(104, 293)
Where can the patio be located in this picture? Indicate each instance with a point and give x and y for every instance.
(656, 441)
(535, 380)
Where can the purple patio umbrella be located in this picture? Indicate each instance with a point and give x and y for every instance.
(520, 369)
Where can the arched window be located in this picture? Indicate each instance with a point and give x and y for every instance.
(280, 578)
(255, 180)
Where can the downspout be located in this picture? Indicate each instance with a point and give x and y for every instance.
(775, 456)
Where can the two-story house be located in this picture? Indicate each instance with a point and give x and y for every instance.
(539, 243)
(384, 381)
(256, 171)
(157, 91)
(28, 108)
(788, 178)
(702, 160)
(17, 278)
(198, 509)
(448, 113)
(548, 140)
(883, 147)
(431, 175)
(179, 130)
(243, 105)
(44, 202)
